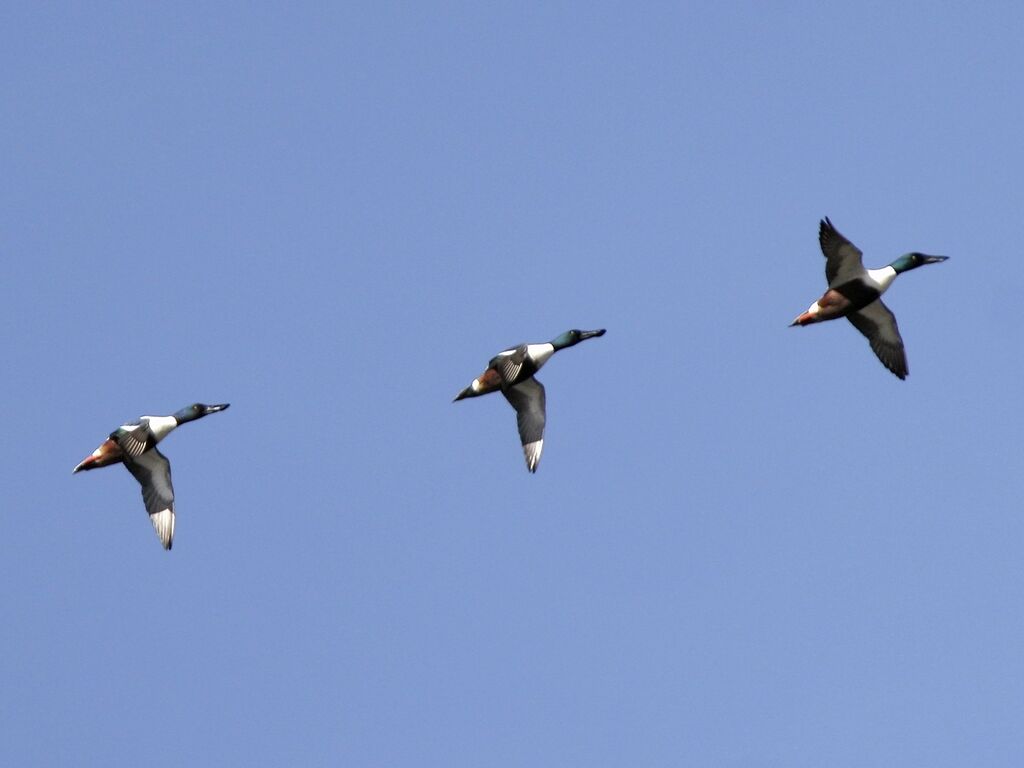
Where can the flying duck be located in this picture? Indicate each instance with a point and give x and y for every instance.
(854, 293)
(512, 372)
(134, 444)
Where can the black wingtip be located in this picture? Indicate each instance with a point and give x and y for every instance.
(896, 370)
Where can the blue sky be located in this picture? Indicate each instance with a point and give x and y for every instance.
(745, 544)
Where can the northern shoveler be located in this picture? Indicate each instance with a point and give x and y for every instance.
(853, 292)
(134, 444)
(512, 371)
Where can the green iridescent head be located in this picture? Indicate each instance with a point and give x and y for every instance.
(197, 411)
(914, 260)
(574, 336)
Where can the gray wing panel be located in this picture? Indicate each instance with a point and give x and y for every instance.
(843, 259)
(153, 471)
(877, 322)
(528, 399)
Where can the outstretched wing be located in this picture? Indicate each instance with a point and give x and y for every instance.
(527, 397)
(878, 323)
(510, 364)
(842, 258)
(153, 471)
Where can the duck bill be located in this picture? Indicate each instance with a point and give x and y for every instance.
(591, 334)
(467, 392)
(214, 408)
(933, 259)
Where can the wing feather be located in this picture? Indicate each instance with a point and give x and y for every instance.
(877, 322)
(509, 364)
(529, 400)
(133, 439)
(153, 471)
(843, 259)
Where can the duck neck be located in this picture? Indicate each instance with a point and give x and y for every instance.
(184, 416)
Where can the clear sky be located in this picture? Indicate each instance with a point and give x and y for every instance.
(746, 545)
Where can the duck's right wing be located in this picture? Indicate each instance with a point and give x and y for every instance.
(153, 471)
(878, 323)
(509, 364)
(133, 439)
(527, 397)
(843, 259)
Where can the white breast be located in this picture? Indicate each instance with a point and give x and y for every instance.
(161, 426)
(882, 277)
(540, 353)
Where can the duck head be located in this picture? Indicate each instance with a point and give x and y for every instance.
(197, 411)
(914, 260)
(574, 336)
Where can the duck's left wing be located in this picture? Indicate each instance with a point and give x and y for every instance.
(878, 323)
(843, 259)
(527, 397)
(153, 471)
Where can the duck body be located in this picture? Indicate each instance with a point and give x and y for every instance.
(855, 293)
(512, 372)
(848, 297)
(509, 368)
(134, 445)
